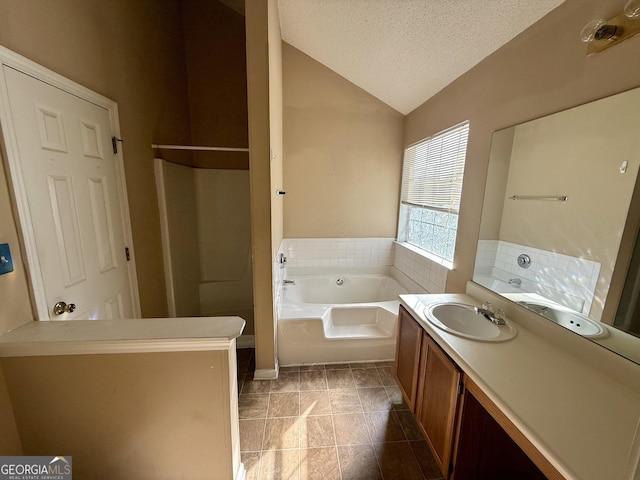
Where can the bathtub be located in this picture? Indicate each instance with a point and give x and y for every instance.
(339, 316)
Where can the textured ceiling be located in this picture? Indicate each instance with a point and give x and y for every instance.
(405, 51)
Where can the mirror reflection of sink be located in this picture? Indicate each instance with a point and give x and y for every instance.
(580, 324)
(461, 319)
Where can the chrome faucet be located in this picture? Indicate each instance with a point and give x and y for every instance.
(515, 281)
(493, 315)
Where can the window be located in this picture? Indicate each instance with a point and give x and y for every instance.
(431, 188)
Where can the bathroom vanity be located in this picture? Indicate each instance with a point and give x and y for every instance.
(517, 408)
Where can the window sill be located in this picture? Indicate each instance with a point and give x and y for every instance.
(423, 253)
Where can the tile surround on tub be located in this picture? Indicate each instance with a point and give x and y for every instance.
(359, 252)
(338, 252)
(428, 274)
(571, 275)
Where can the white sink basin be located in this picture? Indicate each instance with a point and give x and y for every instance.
(580, 324)
(462, 320)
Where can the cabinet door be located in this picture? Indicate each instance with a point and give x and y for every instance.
(485, 450)
(408, 356)
(438, 401)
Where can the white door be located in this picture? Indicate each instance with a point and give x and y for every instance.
(66, 158)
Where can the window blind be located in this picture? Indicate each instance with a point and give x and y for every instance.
(433, 170)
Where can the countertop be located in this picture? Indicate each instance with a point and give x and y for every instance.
(79, 337)
(582, 421)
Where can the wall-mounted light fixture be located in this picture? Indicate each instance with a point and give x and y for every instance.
(601, 33)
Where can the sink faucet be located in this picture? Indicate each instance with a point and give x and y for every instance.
(488, 312)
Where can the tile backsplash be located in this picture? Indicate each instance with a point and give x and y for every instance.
(549, 270)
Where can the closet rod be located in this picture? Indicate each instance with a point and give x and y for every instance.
(193, 147)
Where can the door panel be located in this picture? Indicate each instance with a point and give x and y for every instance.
(114, 308)
(102, 223)
(51, 129)
(69, 175)
(67, 230)
(91, 144)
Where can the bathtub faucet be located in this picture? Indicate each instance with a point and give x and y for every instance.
(515, 281)
(288, 282)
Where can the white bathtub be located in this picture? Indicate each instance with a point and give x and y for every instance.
(339, 316)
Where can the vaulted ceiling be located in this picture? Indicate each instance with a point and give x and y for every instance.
(405, 51)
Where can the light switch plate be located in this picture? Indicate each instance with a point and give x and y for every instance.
(6, 262)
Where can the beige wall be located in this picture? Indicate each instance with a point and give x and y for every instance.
(9, 438)
(575, 153)
(276, 127)
(128, 416)
(276, 133)
(543, 70)
(214, 38)
(131, 52)
(343, 155)
(263, 53)
(496, 185)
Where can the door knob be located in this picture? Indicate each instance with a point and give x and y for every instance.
(61, 307)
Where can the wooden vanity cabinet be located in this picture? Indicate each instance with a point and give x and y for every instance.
(408, 356)
(469, 436)
(439, 387)
(485, 450)
(429, 382)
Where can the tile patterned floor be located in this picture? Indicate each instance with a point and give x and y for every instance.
(329, 422)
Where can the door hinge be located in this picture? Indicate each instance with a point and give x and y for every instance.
(460, 388)
(114, 144)
(127, 254)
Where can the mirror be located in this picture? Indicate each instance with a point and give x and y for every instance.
(557, 198)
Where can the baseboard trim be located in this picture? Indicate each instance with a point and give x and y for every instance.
(246, 341)
(266, 373)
